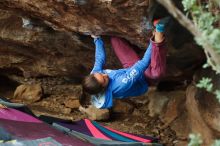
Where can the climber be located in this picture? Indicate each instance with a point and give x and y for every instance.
(102, 86)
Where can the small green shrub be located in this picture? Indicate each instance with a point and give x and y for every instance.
(205, 20)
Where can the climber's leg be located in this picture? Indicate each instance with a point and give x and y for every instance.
(124, 51)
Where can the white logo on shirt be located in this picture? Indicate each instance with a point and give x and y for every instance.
(132, 74)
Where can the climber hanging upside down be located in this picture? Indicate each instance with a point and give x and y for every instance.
(105, 85)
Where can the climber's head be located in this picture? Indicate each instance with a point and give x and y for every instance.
(92, 85)
(95, 83)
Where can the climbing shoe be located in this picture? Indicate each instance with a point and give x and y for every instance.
(160, 24)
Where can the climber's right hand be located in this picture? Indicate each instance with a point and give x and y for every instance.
(95, 36)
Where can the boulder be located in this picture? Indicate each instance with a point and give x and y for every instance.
(28, 93)
(94, 113)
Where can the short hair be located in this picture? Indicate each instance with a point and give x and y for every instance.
(91, 85)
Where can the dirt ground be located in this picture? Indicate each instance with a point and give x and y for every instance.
(57, 89)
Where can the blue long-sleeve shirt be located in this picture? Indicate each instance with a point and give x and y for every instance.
(122, 82)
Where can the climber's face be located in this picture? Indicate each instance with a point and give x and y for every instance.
(103, 79)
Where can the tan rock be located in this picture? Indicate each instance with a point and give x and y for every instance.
(95, 113)
(66, 110)
(72, 103)
(28, 93)
(2, 106)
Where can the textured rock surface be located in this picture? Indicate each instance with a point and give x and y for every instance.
(35, 53)
(28, 93)
(117, 17)
(72, 103)
(94, 113)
